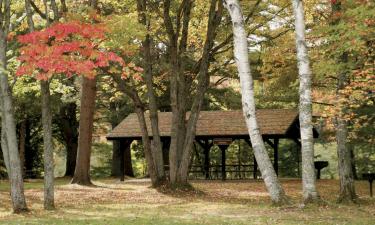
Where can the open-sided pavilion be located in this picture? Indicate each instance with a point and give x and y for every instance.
(219, 128)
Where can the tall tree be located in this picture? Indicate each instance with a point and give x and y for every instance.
(347, 188)
(241, 55)
(148, 74)
(86, 122)
(8, 121)
(182, 132)
(46, 120)
(310, 193)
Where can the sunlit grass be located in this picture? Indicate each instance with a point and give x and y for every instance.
(212, 202)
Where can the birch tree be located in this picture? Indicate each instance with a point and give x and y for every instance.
(8, 122)
(310, 193)
(241, 56)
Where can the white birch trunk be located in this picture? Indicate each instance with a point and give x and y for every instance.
(310, 193)
(241, 55)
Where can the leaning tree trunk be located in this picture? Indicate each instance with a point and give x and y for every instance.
(156, 145)
(310, 193)
(82, 170)
(156, 142)
(15, 172)
(215, 15)
(139, 110)
(48, 147)
(241, 55)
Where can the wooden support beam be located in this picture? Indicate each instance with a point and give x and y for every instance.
(223, 161)
(125, 159)
(298, 155)
(276, 155)
(255, 166)
(207, 163)
(269, 142)
(255, 172)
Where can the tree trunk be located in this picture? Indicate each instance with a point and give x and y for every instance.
(4, 144)
(88, 95)
(69, 130)
(139, 110)
(147, 54)
(347, 188)
(22, 145)
(15, 172)
(48, 147)
(152, 171)
(203, 82)
(241, 55)
(310, 193)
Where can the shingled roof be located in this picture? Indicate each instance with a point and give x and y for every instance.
(272, 122)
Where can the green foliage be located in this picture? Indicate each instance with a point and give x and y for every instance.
(101, 160)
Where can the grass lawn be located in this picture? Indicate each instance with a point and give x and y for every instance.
(212, 202)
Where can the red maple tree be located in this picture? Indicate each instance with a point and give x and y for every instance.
(70, 48)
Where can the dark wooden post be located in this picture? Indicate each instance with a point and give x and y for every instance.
(126, 167)
(255, 172)
(275, 146)
(206, 145)
(276, 155)
(223, 161)
(255, 166)
(298, 155)
(207, 163)
(122, 161)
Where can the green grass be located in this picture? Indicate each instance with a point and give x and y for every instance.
(213, 202)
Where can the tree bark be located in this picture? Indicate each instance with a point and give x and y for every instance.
(182, 131)
(147, 54)
(4, 144)
(46, 123)
(15, 172)
(347, 188)
(310, 193)
(48, 147)
(139, 110)
(241, 55)
(88, 96)
(203, 82)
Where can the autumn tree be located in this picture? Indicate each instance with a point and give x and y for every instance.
(248, 103)
(71, 48)
(9, 143)
(310, 193)
(347, 41)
